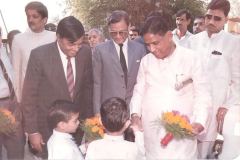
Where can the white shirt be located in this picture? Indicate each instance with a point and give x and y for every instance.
(114, 147)
(65, 61)
(183, 40)
(221, 61)
(4, 89)
(155, 93)
(125, 50)
(61, 146)
(22, 46)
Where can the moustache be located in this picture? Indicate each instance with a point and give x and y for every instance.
(30, 23)
(211, 26)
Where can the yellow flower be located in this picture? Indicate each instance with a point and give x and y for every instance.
(95, 129)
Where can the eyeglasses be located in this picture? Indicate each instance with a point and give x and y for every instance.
(215, 18)
(115, 33)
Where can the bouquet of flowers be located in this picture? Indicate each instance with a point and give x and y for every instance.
(176, 125)
(7, 122)
(92, 128)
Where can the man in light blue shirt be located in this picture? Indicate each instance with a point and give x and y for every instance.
(14, 144)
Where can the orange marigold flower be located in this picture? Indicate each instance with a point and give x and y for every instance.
(95, 129)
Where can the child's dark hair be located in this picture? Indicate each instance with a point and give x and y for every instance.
(61, 111)
(114, 114)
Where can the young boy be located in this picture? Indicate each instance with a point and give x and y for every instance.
(63, 119)
(115, 119)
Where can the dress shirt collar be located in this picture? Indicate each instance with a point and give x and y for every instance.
(62, 134)
(124, 44)
(113, 138)
(187, 34)
(217, 35)
(35, 33)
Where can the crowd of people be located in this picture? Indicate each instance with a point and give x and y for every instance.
(52, 77)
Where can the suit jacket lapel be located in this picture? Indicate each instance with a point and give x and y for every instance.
(79, 72)
(130, 55)
(58, 74)
(114, 55)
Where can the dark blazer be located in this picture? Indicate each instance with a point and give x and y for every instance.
(108, 73)
(45, 83)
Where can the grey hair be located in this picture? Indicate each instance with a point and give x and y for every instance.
(98, 31)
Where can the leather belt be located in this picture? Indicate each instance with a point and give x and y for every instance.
(4, 98)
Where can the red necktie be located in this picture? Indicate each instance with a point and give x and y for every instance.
(70, 77)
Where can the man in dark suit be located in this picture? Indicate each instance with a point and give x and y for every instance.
(116, 62)
(59, 70)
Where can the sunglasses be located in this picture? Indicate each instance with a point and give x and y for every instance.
(215, 18)
(115, 33)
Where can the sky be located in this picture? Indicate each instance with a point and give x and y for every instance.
(13, 13)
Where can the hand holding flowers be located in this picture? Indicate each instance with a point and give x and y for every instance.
(8, 122)
(177, 126)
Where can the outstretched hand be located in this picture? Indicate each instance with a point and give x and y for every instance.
(197, 128)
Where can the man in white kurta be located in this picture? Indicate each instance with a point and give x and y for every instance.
(23, 43)
(157, 91)
(220, 53)
(181, 33)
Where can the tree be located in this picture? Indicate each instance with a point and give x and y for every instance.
(93, 13)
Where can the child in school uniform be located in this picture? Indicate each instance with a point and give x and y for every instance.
(63, 119)
(115, 119)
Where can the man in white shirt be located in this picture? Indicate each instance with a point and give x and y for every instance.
(35, 36)
(170, 78)
(14, 144)
(198, 24)
(181, 33)
(219, 51)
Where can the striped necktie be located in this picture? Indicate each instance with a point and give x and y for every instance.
(70, 77)
(9, 82)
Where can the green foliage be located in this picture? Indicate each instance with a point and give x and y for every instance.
(93, 13)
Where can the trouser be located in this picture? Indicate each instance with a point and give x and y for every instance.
(205, 149)
(14, 143)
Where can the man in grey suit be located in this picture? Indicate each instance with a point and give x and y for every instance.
(116, 62)
(57, 71)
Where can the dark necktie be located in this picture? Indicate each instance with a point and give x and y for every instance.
(70, 77)
(9, 82)
(123, 63)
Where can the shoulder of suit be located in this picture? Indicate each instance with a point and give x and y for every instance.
(43, 49)
(104, 44)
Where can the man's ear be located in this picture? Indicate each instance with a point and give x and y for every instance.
(188, 21)
(45, 20)
(226, 20)
(169, 35)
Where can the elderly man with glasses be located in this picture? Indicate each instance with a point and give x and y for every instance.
(116, 62)
(219, 51)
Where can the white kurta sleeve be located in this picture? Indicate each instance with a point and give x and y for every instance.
(139, 89)
(233, 98)
(202, 96)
